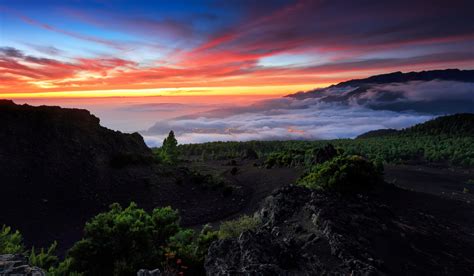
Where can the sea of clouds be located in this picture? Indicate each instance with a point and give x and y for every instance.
(327, 114)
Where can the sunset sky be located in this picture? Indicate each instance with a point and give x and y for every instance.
(147, 65)
(148, 48)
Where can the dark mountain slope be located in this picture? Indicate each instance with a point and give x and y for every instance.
(438, 92)
(457, 125)
(59, 167)
(399, 77)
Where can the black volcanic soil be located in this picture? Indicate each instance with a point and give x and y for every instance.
(254, 182)
(436, 180)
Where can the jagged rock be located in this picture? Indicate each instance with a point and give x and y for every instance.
(146, 272)
(16, 264)
(304, 232)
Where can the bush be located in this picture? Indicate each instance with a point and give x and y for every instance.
(345, 174)
(11, 242)
(234, 228)
(46, 259)
(121, 241)
(186, 251)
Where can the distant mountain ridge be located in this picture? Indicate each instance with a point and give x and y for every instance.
(461, 125)
(447, 74)
(438, 92)
(400, 77)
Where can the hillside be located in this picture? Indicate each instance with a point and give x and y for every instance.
(59, 167)
(457, 125)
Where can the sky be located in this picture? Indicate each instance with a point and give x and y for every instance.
(107, 55)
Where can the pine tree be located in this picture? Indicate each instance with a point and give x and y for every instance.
(170, 148)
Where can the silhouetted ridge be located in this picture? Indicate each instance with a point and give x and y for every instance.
(59, 163)
(448, 74)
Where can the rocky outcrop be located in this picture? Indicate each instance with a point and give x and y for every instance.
(14, 264)
(304, 232)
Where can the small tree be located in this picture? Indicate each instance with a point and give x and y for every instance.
(169, 149)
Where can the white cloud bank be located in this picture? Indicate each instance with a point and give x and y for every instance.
(317, 117)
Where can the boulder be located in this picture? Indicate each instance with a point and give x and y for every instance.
(17, 264)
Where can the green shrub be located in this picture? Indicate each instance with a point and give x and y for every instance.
(343, 174)
(46, 259)
(11, 242)
(63, 268)
(121, 241)
(233, 228)
(186, 251)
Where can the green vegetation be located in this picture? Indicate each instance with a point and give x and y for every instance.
(445, 139)
(234, 228)
(168, 152)
(290, 158)
(45, 259)
(122, 241)
(11, 242)
(344, 174)
(391, 149)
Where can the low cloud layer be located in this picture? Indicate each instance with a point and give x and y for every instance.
(319, 117)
